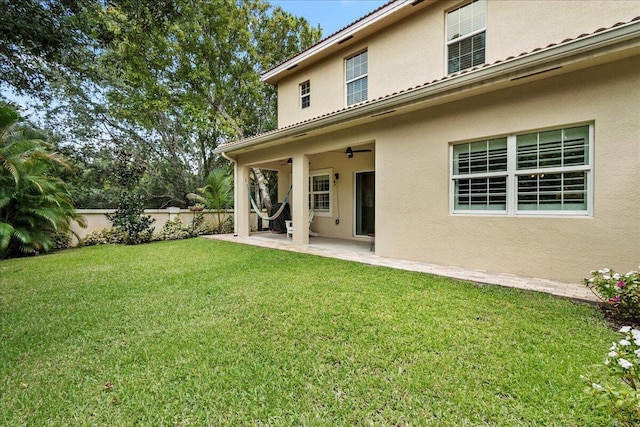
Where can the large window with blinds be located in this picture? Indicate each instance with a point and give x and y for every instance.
(466, 36)
(480, 171)
(548, 172)
(356, 77)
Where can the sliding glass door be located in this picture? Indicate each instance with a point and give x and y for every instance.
(365, 203)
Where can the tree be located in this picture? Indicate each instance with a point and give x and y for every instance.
(170, 79)
(39, 39)
(176, 88)
(129, 216)
(217, 193)
(90, 176)
(35, 205)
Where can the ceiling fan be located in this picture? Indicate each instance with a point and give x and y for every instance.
(349, 151)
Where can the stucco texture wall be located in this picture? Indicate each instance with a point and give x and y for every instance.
(412, 51)
(412, 189)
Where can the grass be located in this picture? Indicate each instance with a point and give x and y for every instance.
(202, 333)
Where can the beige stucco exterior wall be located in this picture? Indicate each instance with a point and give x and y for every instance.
(412, 164)
(516, 26)
(415, 176)
(412, 52)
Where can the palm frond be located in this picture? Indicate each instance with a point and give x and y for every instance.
(6, 231)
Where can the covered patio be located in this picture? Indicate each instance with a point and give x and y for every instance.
(359, 251)
(334, 185)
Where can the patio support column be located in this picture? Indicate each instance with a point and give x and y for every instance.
(300, 206)
(242, 205)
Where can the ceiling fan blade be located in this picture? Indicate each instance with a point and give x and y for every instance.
(349, 151)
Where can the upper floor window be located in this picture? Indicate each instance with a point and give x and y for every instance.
(466, 28)
(357, 70)
(305, 94)
(541, 172)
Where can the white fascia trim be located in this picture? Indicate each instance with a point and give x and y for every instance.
(349, 31)
(507, 70)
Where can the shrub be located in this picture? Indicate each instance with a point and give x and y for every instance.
(227, 226)
(62, 241)
(35, 204)
(620, 293)
(174, 229)
(105, 236)
(129, 216)
(622, 396)
(199, 226)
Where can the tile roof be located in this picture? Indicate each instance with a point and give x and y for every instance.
(424, 85)
(330, 35)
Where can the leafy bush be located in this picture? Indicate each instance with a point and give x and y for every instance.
(105, 236)
(174, 229)
(620, 293)
(199, 226)
(62, 241)
(622, 396)
(227, 226)
(129, 214)
(128, 217)
(35, 204)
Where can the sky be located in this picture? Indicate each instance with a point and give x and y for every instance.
(332, 15)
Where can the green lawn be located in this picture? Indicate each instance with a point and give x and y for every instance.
(202, 333)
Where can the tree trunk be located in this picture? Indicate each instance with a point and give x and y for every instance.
(264, 191)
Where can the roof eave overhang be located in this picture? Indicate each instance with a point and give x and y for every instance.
(386, 15)
(624, 37)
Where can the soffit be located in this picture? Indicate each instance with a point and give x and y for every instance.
(364, 27)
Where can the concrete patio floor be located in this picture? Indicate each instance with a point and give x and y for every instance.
(359, 251)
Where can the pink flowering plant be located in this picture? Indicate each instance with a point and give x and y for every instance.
(620, 292)
(621, 395)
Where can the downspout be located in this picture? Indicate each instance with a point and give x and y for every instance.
(235, 192)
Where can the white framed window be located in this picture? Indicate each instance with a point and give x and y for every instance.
(320, 191)
(466, 36)
(546, 172)
(356, 77)
(305, 94)
(480, 171)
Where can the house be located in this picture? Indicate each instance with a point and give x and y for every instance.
(494, 135)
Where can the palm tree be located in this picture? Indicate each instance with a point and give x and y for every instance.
(35, 205)
(217, 193)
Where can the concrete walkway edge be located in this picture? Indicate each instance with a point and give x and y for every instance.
(565, 290)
